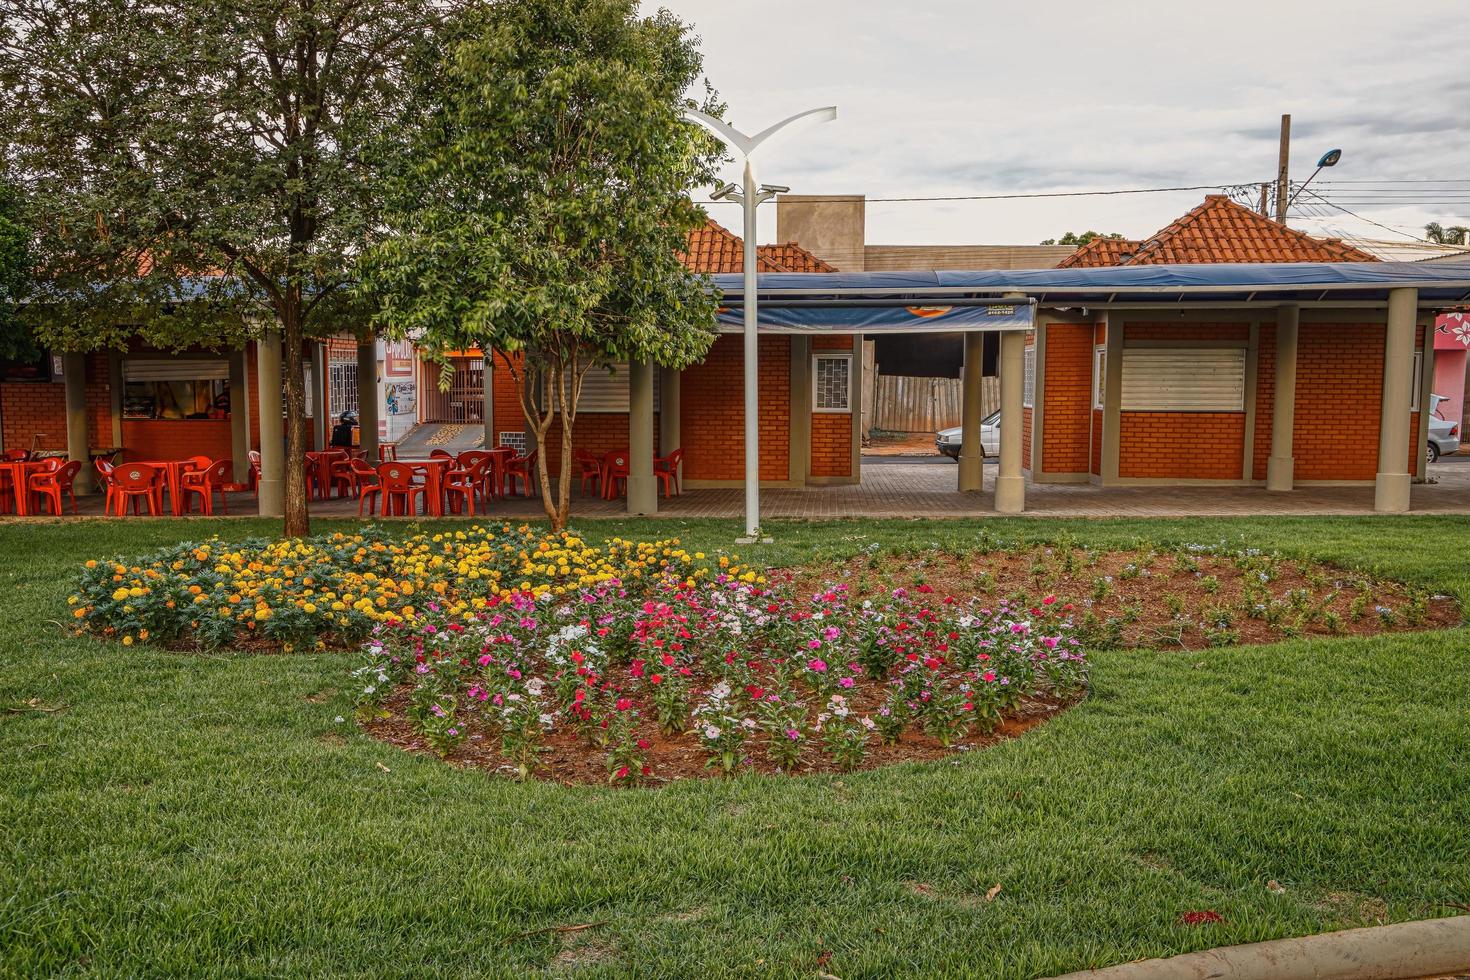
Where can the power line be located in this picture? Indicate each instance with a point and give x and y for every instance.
(1370, 221)
(1045, 194)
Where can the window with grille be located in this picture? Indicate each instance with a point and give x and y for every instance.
(514, 440)
(342, 379)
(832, 383)
(1028, 384)
(1099, 375)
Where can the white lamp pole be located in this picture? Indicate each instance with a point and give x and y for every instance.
(751, 196)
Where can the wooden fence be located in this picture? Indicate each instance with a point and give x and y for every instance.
(903, 404)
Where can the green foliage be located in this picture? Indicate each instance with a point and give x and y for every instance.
(15, 262)
(1073, 238)
(540, 201)
(191, 166)
(1441, 235)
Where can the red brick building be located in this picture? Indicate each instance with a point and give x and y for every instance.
(1150, 396)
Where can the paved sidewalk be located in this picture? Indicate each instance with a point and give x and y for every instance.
(926, 489)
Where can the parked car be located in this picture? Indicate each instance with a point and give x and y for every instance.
(947, 441)
(1444, 435)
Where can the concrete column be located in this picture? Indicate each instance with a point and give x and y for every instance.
(367, 399)
(642, 490)
(272, 487)
(321, 417)
(799, 460)
(1010, 485)
(972, 414)
(1281, 466)
(669, 436)
(239, 418)
(74, 371)
(488, 383)
(1391, 487)
(115, 385)
(1112, 427)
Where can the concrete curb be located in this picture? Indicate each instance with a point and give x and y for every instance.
(1405, 951)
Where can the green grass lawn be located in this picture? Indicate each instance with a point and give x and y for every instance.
(184, 814)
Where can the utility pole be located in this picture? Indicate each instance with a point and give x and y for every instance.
(1265, 208)
(1283, 170)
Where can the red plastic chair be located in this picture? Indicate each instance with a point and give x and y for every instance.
(520, 468)
(387, 452)
(254, 478)
(395, 480)
(49, 485)
(366, 484)
(14, 456)
(136, 482)
(104, 472)
(589, 470)
(205, 482)
(463, 484)
(666, 470)
(440, 454)
(614, 473)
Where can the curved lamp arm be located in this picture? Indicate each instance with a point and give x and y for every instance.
(747, 144)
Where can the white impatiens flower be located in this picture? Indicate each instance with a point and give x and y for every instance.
(534, 686)
(720, 691)
(712, 732)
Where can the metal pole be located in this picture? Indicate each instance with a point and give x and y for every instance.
(752, 370)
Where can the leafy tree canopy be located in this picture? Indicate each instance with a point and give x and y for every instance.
(1072, 238)
(192, 165)
(15, 273)
(543, 201)
(1443, 235)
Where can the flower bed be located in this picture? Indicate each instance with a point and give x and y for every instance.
(680, 676)
(332, 590)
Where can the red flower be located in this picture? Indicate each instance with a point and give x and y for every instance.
(667, 660)
(622, 773)
(577, 657)
(655, 678)
(1204, 917)
(623, 704)
(643, 744)
(931, 662)
(926, 589)
(637, 669)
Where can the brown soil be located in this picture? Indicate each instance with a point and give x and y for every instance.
(1144, 598)
(567, 759)
(1126, 598)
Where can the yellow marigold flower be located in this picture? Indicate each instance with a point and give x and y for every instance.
(127, 641)
(120, 595)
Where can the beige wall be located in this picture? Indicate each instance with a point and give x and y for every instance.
(897, 258)
(830, 226)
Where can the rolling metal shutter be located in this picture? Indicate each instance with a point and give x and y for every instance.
(1183, 379)
(605, 389)
(174, 369)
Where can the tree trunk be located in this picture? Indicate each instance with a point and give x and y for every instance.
(297, 522)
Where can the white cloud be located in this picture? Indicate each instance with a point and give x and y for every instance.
(979, 97)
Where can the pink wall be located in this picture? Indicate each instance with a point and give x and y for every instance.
(1451, 346)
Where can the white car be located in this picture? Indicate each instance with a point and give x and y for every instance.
(947, 441)
(1444, 435)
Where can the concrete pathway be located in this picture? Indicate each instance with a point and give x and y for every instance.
(905, 489)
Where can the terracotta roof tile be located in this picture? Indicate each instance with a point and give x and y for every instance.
(1100, 252)
(1219, 230)
(713, 248)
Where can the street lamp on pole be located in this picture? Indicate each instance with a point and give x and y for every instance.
(750, 196)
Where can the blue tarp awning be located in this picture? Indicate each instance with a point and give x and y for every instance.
(880, 302)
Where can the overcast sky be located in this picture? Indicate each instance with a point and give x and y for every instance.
(949, 97)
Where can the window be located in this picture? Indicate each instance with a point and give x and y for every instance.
(1180, 379)
(1028, 384)
(342, 379)
(1099, 375)
(832, 387)
(175, 389)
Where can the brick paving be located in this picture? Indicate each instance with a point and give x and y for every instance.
(927, 489)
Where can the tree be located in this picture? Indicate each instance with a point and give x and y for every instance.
(196, 168)
(1072, 238)
(15, 273)
(1440, 235)
(543, 203)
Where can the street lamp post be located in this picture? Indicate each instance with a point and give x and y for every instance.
(750, 196)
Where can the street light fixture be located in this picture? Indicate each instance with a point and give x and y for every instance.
(1328, 159)
(750, 196)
